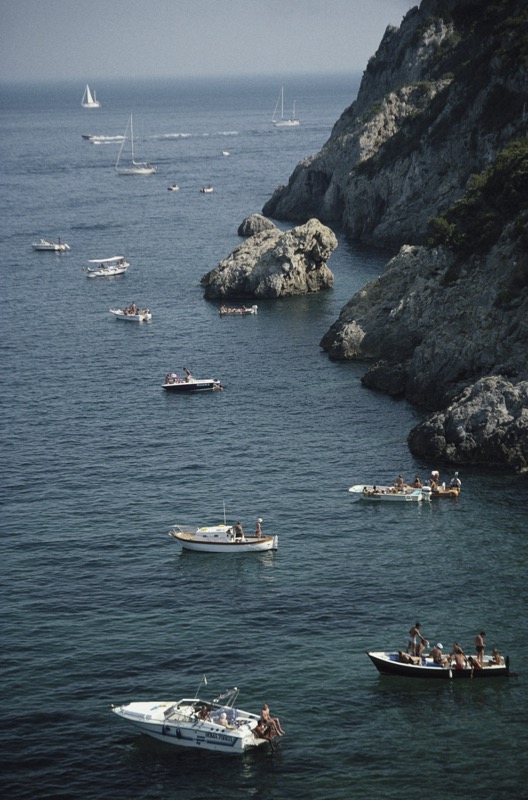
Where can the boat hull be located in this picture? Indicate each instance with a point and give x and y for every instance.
(200, 544)
(388, 664)
(170, 725)
(105, 273)
(142, 317)
(184, 387)
(50, 247)
(389, 494)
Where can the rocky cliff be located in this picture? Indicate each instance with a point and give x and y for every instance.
(442, 96)
(433, 156)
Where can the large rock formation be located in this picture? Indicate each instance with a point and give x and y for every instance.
(275, 264)
(486, 424)
(442, 96)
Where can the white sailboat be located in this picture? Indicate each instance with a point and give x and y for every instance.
(133, 167)
(283, 123)
(89, 101)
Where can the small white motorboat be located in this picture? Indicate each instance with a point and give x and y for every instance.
(173, 383)
(46, 245)
(390, 494)
(107, 267)
(240, 311)
(207, 189)
(222, 539)
(173, 187)
(132, 314)
(191, 722)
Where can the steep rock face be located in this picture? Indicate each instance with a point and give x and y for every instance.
(275, 264)
(433, 325)
(443, 94)
(486, 424)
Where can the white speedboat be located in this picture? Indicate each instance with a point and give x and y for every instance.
(390, 494)
(191, 722)
(221, 539)
(107, 267)
(173, 187)
(240, 311)
(189, 384)
(207, 190)
(49, 246)
(132, 314)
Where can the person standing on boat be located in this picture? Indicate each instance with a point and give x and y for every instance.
(188, 374)
(479, 645)
(239, 531)
(414, 636)
(258, 531)
(455, 481)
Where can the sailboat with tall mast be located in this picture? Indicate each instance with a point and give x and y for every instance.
(132, 167)
(89, 100)
(281, 122)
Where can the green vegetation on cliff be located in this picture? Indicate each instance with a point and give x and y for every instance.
(496, 197)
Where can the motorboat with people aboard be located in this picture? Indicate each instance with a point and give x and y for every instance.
(390, 494)
(132, 313)
(107, 267)
(223, 538)
(46, 245)
(207, 189)
(205, 725)
(240, 311)
(405, 665)
(173, 187)
(173, 383)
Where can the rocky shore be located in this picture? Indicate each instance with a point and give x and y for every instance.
(432, 158)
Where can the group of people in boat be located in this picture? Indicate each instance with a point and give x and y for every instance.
(133, 309)
(267, 727)
(433, 483)
(457, 658)
(240, 310)
(238, 531)
(172, 377)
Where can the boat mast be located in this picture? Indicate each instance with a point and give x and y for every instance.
(282, 102)
(132, 138)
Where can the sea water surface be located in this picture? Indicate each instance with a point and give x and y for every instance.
(99, 606)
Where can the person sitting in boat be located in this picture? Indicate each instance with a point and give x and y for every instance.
(258, 530)
(262, 731)
(459, 656)
(273, 722)
(417, 483)
(434, 480)
(203, 714)
(437, 655)
(222, 720)
(239, 531)
(399, 482)
(406, 658)
(496, 657)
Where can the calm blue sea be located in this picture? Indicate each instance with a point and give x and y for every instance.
(99, 606)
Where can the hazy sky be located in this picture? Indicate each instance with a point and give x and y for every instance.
(93, 39)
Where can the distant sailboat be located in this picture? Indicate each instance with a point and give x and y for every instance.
(88, 101)
(133, 167)
(284, 123)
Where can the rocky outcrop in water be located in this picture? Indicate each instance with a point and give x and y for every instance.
(442, 96)
(255, 223)
(486, 424)
(275, 264)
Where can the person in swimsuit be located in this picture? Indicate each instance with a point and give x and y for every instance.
(479, 646)
(273, 722)
(414, 636)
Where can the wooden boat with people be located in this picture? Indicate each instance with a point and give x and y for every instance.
(390, 494)
(222, 539)
(205, 725)
(239, 311)
(390, 663)
(107, 267)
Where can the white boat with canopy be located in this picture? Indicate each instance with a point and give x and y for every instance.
(205, 725)
(132, 167)
(107, 267)
(281, 122)
(89, 100)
